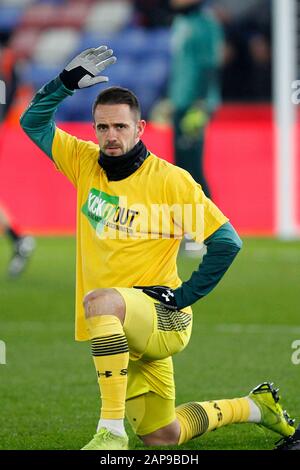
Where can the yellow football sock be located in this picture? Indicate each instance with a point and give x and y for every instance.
(197, 418)
(111, 356)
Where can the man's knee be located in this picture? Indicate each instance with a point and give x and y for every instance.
(104, 302)
(166, 436)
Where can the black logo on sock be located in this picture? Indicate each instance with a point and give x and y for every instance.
(107, 373)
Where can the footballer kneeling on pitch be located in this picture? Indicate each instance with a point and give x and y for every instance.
(130, 302)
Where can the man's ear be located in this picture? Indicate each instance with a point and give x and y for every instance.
(141, 124)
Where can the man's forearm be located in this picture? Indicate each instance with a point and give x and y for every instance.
(222, 248)
(81, 72)
(38, 119)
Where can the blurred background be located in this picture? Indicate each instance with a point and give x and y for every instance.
(38, 37)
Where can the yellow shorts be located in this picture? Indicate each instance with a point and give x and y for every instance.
(154, 333)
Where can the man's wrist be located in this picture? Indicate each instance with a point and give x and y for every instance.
(64, 88)
(66, 81)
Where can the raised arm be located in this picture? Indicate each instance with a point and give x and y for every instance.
(38, 119)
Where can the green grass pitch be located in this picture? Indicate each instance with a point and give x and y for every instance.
(243, 334)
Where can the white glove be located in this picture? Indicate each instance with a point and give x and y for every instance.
(82, 70)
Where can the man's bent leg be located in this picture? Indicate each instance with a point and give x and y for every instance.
(194, 419)
(197, 418)
(153, 419)
(166, 436)
(118, 319)
(260, 406)
(105, 312)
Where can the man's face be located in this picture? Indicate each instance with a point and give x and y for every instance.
(117, 128)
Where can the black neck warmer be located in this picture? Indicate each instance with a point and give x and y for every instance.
(118, 168)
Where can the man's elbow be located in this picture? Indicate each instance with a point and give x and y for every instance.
(23, 120)
(233, 238)
(238, 243)
(27, 124)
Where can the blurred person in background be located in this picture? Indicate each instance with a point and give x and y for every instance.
(194, 88)
(9, 75)
(246, 70)
(23, 246)
(260, 76)
(152, 13)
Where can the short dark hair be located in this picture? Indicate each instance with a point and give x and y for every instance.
(118, 95)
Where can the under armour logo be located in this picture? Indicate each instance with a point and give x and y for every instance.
(168, 295)
(107, 373)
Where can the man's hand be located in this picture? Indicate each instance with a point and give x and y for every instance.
(162, 294)
(82, 70)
